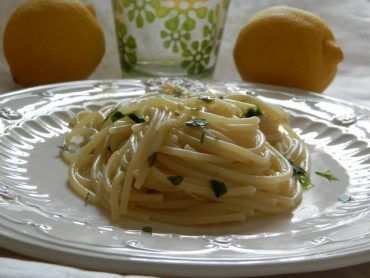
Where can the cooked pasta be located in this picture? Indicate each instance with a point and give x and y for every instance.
(189, 159)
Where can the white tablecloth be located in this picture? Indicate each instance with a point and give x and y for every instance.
(350, 22)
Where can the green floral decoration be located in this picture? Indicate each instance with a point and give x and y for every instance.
(213, 31)
(175, 39)
(139, 10)
(180, 18)
(127, 46)
(196, 60)
(197, 57)
(117, 6)
(210, 30)
(183, 9)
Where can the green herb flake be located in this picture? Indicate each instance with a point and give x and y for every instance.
(344, 198)
(197, 123)
(87, 196)
(64, 148)
(175, 180)
(152, 158)
(305, 181)
(250, 93)
(116, 115)
(328, 175)
(202, 135)
(301, 175)
(251, 112)
(110, 114)
(297, 170)
(147, 229)
(207, 99)
(221, 97)
(218, 187)
(136, 118)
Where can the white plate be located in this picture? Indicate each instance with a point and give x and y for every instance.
(42, 218)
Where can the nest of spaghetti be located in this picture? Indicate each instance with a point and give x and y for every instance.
(186, 159)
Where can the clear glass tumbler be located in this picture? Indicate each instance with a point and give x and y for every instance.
(169, 37)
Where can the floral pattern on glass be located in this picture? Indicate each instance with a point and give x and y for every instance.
(179, 18)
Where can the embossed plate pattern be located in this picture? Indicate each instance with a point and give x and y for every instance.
(41, 217)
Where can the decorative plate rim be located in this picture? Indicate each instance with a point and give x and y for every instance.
(351, 123)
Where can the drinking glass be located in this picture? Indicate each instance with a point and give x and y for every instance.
(169, 37)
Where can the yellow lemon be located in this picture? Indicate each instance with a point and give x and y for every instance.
(48, 41)
(289, 47)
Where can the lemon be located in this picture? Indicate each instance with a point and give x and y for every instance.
(48, 41)
(289, 47)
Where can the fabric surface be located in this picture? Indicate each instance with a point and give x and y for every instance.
(350, 22)
(23, 269)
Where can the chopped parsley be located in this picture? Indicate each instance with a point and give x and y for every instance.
(175, 180)
(218, 187)
(221, 97)
(136, 118)
(253, 111)
(64, 148)
(116, 115)
(202, 135)
(197, 123)
(328, 175)
(110, 114)
(304, 180)
(297, 170)
(207, 99)
(250, 92)
(87, 196)
(344, 198)
(152, 158)
(147, 229)
(301, 175)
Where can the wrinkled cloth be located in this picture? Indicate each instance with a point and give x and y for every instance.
(24, 269)
(350, 22)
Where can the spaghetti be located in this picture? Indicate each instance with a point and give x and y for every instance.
(186, 159)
